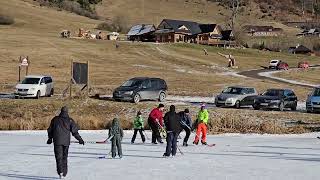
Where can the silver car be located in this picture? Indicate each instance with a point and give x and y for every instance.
(313, 101)
(236, 96)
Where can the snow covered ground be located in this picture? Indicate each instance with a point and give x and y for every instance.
(25, 155)
(269, 74)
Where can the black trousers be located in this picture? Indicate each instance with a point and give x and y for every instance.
(135, 135)
(188, 132)
(155, 131)
(61, 154)
(172, 139)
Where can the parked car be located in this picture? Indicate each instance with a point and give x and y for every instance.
(274, 64)
(282, 66)
(303, 65)
(313, 101)
(276, 99)
(141, 88)
(35, 86)
(236, 96)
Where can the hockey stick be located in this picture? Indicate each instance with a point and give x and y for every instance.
(162, 131)
(209, 145)
(180, 150)
(91, 142)
(96, 142)
(145, 134)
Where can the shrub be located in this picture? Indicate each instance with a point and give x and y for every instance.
(316, 46)
(119, 24)
(6, 20)
(259, 46)
(80, 7)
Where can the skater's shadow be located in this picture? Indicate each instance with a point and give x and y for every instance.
(281, 147)
(48, 155)
(126, 155)
(21, 176)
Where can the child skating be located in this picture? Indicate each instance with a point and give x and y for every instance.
(138, 125)
(116, 135)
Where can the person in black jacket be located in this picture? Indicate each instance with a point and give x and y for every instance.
(171, 120)
(186, 124)
(59, 131)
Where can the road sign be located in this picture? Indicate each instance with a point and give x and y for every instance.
(24, 62)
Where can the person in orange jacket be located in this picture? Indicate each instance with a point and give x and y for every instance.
(202, 121)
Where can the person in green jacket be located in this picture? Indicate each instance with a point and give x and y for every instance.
(138, 125)
(116, 135)
(202, 122)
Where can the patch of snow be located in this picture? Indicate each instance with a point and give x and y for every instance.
(191, 99)
(181, 70)
(235, 74)
(269, 74)
(142, 66)
(25, 155)
(301, 106)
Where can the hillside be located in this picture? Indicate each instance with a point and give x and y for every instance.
(153, 11)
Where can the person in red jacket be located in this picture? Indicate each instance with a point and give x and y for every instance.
(155, 122)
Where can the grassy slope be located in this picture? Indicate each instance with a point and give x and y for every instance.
(186, 69)
(309, 75)
(36, 34)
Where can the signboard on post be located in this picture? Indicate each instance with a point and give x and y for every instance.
(79, 75)
(23, 62)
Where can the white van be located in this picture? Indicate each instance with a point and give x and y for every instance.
(35, 86)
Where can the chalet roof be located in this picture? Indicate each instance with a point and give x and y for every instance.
(207, 28)
(177, 26)
(313, 31)
(300, 49)
(227, 35)
(140, 29)
(251, 28)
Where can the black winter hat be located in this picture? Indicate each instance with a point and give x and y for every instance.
(186, 110)
(172, 108)
(160, 106)
(64, 109)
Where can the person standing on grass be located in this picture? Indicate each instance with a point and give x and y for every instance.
(186, 124)
(202, 121)
(116, 135)
(155, 122)
(138, 125)
(172, 122)
(59, 132)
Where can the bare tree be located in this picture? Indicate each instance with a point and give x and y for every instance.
(234, 11)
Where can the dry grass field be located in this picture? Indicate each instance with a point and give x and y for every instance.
(185, 68)
(311, 75)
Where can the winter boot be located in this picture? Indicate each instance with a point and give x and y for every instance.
(204, 143)
(120, 156)
(165, 155)
(154, 143)
(196, 143)
(61, 176)
(185, 144)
